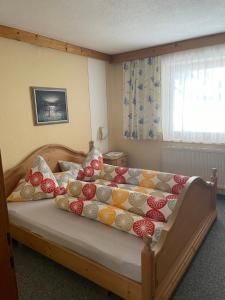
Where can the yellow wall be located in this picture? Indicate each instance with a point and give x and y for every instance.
(22, 66)
(143, 154)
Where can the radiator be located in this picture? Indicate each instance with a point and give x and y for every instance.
(194, 162)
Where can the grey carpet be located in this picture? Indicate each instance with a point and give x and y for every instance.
(39, 278)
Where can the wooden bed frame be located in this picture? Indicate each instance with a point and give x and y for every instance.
(162, 265)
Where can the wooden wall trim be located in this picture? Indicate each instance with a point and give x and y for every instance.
(43, 41)
(199, 42)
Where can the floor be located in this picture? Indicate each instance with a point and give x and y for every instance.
(39, 278)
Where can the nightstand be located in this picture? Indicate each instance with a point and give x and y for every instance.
(121, 161)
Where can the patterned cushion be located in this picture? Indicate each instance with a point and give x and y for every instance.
(72, 167)
(69, 166)
(92, 165)
(111, 216)
(166, 182)
(38, 184)
(63, 179)
(158, 205)
(131, 187)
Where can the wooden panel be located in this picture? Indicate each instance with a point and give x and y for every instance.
(8, 288)
(183, 234)
(120, 285)
(148, 270)
(167, 286)
(40, 40)
(204, 41)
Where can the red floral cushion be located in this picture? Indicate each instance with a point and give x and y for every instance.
(166, 182)
(39, 183)
(89, 170)
(112, 216)
(157, 205)
(92, 166)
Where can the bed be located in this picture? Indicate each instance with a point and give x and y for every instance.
(142, 272)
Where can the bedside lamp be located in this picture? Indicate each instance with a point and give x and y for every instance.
(102, 133)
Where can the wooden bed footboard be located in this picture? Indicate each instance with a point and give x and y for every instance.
(180, 239)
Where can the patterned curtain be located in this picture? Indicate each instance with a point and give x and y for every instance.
(141, 99)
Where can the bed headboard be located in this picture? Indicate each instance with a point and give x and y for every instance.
(51, 153)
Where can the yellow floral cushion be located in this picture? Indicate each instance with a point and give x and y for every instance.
(166, 182)
(157, 205)
(111, 216)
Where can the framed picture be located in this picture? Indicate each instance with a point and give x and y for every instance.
(49, 105)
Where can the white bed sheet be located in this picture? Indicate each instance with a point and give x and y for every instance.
(116, 250)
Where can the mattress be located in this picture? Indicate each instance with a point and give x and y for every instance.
(114, 249)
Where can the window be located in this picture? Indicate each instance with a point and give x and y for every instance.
(193, 95)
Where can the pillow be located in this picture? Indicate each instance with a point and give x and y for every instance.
(165, 182)
(112, 216)
(38, 184)
(158, 206)
(69, 166)
(92, 165)
(72, 167)
(63, 178)
(90, 168)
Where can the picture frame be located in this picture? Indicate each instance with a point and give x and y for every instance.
(49, 105)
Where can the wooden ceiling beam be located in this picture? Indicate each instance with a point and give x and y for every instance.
(199, 42)
(43, 41)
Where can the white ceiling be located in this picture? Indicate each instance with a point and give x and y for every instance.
(114, 26)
